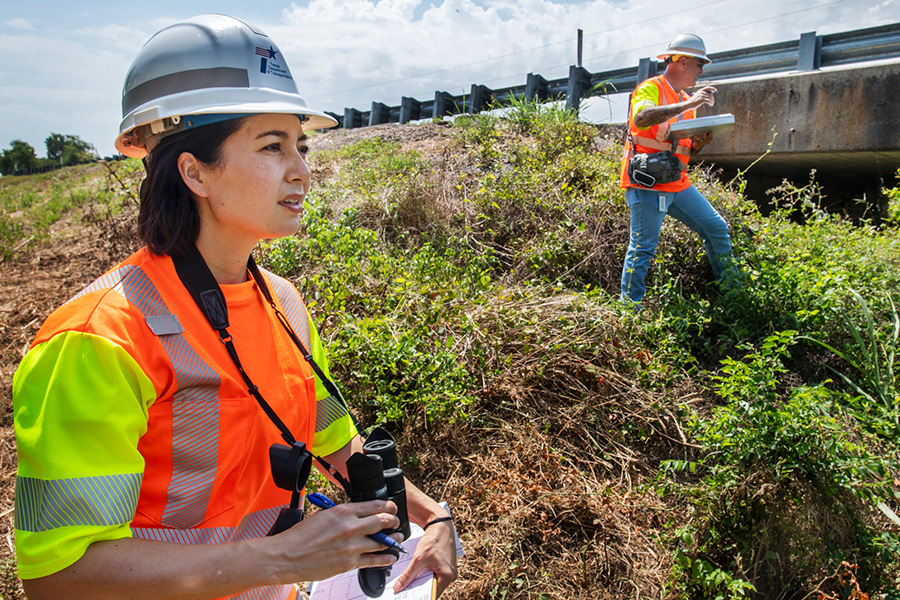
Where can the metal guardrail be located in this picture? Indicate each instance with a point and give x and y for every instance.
(809, 53)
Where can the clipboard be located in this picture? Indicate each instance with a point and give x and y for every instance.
(717, 124)
(424, 587)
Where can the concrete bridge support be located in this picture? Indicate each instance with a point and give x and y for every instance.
(844, 123)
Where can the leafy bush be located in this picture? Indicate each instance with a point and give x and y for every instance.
(786, 482)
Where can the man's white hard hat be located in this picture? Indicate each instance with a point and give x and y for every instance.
(686, 44)
(206, 69)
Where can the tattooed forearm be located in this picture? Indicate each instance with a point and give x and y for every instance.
(654, 115)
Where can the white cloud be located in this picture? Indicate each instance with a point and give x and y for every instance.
(344, 50)
(20, 24)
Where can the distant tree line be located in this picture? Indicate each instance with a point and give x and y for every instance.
(62, 150)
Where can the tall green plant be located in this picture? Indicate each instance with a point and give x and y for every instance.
(872, 358)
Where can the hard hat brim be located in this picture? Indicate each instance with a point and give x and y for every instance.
(665, 55)
(239, 102)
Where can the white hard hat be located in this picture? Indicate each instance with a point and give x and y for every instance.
(686, 44)
(206, 69)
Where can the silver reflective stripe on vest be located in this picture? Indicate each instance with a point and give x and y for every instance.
(271, 592)
(195, 405)
(293, 307)
(330, 409)
(254, 525)
(195, 413)
(105, 282)
(98, 501)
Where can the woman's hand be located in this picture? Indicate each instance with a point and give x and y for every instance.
(334, 541)
(437, 552)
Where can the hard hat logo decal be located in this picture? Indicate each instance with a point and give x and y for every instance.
(265, 67)
(270, 53)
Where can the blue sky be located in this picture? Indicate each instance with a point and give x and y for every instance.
(62, 62)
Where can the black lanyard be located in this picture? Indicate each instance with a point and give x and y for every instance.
(204, 289)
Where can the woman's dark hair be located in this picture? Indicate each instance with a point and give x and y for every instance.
(169, 222)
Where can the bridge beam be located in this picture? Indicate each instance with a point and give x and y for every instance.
(843, 123)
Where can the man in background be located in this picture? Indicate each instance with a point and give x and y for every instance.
(656, 183)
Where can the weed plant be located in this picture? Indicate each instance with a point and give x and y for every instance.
(31, 206)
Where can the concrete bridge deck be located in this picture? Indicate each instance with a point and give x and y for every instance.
(842, 122)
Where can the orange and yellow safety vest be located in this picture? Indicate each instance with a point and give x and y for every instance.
(656, 137)
(133, 421)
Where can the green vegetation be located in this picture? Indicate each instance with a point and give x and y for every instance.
(468, 298)
(31, 206)
(434, 282)
(61, 150)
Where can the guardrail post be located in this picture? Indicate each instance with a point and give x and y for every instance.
(479, 99)
(647, 68)
(352, 118)
(443, 102)
(809, 54)
(380, 113)
(579, 83)
(536, 88)
(410, 110)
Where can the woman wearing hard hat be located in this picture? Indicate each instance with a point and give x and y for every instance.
(147, 405)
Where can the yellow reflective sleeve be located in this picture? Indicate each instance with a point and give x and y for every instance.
(334, 427)
(79, 406)
(646, 95)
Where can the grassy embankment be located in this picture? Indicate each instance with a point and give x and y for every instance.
(717, 445)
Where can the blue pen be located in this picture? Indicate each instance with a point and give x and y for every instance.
(381, 537)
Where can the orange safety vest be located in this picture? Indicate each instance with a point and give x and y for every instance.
(656, 139)
(207, 477)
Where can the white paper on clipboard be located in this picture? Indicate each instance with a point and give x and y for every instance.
(346, 587)
(717, 124)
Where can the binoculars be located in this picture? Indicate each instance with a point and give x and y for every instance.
(374, 474)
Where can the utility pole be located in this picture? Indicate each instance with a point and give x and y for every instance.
(580, 45)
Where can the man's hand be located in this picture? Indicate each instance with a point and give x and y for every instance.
(654, 115)
(699, 141)
(702, 96)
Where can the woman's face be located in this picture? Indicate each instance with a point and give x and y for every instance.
(257, 188)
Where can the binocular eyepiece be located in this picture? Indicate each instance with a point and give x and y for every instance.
(290, 470)
(374, 474)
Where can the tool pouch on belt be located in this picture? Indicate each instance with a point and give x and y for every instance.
(647, 170)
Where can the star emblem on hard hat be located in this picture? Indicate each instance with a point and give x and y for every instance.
(272, 53)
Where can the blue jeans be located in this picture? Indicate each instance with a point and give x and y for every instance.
(647, 213)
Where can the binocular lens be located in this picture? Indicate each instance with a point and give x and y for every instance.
(397, 494)
(384, 448)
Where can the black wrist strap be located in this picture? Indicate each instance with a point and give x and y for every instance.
(435, 521)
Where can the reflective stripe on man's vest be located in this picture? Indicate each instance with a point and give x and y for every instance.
(656, 138)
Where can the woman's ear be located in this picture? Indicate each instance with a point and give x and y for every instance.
(192, 173)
